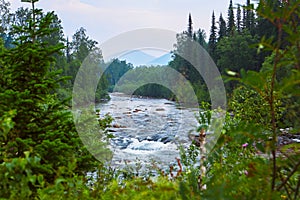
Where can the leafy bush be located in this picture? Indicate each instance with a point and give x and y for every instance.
(249, 105)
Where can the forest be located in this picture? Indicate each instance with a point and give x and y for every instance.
(256, 48)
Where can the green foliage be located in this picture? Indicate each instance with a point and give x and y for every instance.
(235, 53)
(81, 53)
(183, 47)
(200, 38)
(154, 90)
(81, 45)
(242, 103)
(239, 175)
(205, 116)
(238, 19)
(190, 27)
(140, 189)
(33, 119)
(268, 88)
(115, 70)
(222, 28)
(231, 21)
(42, 156)
(93, 133)
(19, 177)
(6, 123)
(189, 156)
(249, 19)
(212, 43)
(135, 79)
(5, 16)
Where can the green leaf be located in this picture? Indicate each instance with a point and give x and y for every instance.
(26, 153)
(40, 179)
(59, 180)
(32, 178)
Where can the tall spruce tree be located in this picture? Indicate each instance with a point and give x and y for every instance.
(250, 18)
(239, 19)
(68, 50)
(4, 16)
(248, 11)
(42, 129)
(195, 36)
(212, 43)
(222, 28)
(201, 36)
(82, 45)
(190, 26)
(252, 23)
(265, 28)
(231, 22)
(244, 26)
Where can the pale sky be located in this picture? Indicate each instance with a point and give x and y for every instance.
(104, 19)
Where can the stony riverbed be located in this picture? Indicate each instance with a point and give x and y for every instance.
(147, 130)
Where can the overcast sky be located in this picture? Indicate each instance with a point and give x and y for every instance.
(104, 19)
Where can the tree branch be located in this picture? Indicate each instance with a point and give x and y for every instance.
(289, 176)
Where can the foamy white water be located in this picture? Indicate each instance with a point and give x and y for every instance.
(147, 130)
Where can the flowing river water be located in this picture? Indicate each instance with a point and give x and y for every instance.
(147, 130)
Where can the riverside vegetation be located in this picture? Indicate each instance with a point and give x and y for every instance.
(42, 156)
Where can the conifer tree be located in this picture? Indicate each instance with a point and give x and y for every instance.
(201, 36)
(212, 43)
(239, 19)
(248, 14)
(4, 16)
(252, 23)
(68, 50)
(222, 28)
(244, 26)
(250, 18)
(190, 26)
(195, 36)
(42, 126)
(231, 22)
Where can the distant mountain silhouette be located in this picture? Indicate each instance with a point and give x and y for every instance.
(137, 58)
(162, 60)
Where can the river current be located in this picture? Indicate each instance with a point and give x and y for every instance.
(147, 130)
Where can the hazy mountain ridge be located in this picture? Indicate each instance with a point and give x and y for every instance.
(139, 58)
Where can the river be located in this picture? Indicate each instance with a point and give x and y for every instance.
(147, 130)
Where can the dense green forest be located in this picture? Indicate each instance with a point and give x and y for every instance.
(257, 51)
(232, 44)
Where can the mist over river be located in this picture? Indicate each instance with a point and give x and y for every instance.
(147, 129)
